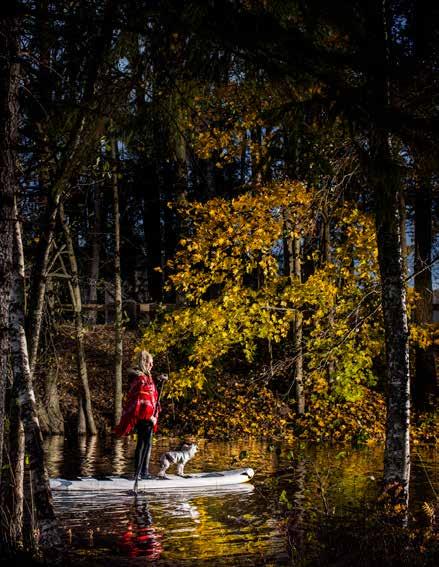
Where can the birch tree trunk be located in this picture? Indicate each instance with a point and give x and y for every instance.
(12, 489)
(9, 84)
(403, 231)
(385, 181)
(48, 534)
(118, 323)
(15, 497)
(75, 292)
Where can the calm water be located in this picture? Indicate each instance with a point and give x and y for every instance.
(242, 525)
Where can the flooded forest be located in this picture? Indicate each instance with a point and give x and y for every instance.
(219, 283)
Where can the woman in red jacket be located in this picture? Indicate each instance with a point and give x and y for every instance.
(140, 411)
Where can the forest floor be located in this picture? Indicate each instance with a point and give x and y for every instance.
(236, 406)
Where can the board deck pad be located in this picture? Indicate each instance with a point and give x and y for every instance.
(212, 479)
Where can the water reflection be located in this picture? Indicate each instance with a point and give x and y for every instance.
(237, 525)
(296, 528)
(54, 449)
(174, 525)
(118, 457)
(141, 539)
(87, 450)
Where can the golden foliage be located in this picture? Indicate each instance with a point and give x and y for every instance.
(425, 428)
(360, 421)
(235, 409)
(228, 270)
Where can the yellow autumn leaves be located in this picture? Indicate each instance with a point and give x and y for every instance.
(235, 296)
(229, 271)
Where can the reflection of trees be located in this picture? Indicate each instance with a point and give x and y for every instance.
(349, 474)
(54, 452)
(87, 451)
(333, 511)
(295, 526)
(218, 524)
(118, 457)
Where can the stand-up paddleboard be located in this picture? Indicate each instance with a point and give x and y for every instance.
(195, 480)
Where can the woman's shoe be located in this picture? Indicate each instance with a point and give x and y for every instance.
(147, 476)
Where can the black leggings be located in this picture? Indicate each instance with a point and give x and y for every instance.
(145, 430)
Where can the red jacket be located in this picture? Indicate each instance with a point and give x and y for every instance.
(141, 403)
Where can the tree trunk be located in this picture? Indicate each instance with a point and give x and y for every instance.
(37, 294)
(92, 294)
(256, 138)
(385, 181)
(79, 329)
(56, 420)
(425, 382)
(12, 488)
(9, 84)
(81, 427)
(243, 161)
(49, 536)
(39, 279)
(293, 269)
(403, 232)
(298, 347)
(327, 259)
(11, 478)
(118, 322)
(49, 413)
(211, 190)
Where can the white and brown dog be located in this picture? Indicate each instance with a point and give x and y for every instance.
(179, 457)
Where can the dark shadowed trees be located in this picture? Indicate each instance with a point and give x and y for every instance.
(9, 83)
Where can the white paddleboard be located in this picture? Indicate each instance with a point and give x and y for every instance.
(213, 479)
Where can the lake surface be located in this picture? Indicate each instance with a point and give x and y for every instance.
(241, 525)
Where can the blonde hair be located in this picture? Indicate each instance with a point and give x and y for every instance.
(141, 359)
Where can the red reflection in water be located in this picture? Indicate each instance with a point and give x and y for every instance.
(141, 539)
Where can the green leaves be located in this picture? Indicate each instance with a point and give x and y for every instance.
(283, 499)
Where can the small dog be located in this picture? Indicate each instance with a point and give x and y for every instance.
(179, 457)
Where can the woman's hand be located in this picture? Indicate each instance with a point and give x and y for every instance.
(154, 419)
(163, 377)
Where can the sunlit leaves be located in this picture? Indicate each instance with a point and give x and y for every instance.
(229, 272)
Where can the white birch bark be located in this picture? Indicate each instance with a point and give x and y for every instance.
(385, 180)
(48, 534)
